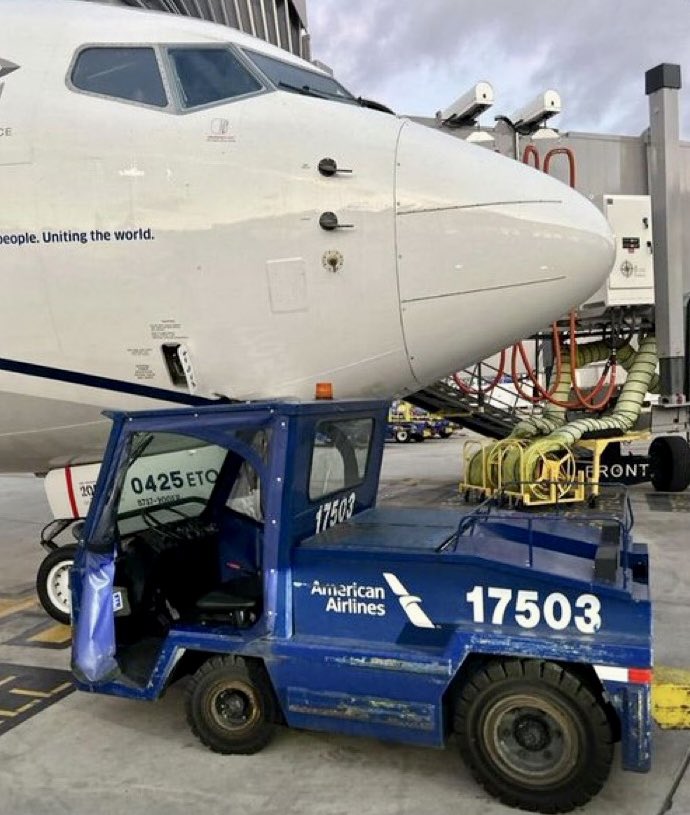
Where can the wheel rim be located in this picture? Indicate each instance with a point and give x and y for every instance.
(57, 587)
(531, 740)
(234, 706)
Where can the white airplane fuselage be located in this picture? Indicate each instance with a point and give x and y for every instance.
(126, 228)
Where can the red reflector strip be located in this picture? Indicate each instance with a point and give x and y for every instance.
(70, 492)
(640, 676)
(610, 673)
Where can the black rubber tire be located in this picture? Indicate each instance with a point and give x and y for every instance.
(402, 436)
(669, 464)
(586, 737)
(64, 555)
(244, 678)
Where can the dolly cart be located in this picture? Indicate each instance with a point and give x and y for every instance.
(284, 595)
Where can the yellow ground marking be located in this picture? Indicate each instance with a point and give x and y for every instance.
(671, 698)
(56, 634)
(21, 709)
(8, 607)
(7, 679)
(38, 694)
(59, 688)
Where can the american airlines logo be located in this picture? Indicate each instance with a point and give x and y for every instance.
(411, 605)
(6, 68)
(368, 600)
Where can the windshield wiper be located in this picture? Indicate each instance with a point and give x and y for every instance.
(305, 90)
(372, 105)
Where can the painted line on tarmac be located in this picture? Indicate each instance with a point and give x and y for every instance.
(13, 605)
(55, 635)
(40, 630)
(26, 691)
(45, 634)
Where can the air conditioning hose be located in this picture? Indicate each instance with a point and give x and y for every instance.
(557, 435)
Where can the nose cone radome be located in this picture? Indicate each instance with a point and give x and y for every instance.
(489, 250)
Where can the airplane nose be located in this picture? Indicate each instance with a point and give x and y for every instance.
(486, 247)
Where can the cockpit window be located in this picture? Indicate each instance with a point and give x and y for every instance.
(297, 79)
(207, 75)
(131, 74)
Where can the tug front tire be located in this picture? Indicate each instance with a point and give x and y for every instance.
(230, 705)
(534, 734)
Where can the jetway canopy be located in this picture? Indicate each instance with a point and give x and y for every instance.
(280, 22)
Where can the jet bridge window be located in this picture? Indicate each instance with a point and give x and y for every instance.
(207, 75)
(296, 79)
(339, 456)
(131, 74)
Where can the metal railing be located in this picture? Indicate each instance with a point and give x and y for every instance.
(492, 511)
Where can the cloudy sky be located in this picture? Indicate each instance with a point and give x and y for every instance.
(418, 55)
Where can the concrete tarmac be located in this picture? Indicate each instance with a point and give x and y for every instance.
(73, 753)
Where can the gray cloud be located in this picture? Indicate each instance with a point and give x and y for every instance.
(417, 56)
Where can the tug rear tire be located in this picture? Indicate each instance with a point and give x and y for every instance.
(230, 705)
(402, 436)
(534, 734)
(669, 464)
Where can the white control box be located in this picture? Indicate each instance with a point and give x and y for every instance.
(631, 281)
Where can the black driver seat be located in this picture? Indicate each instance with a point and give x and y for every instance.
(237, 601)
(223, 601)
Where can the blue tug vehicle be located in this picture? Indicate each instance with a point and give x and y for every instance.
(240, 546)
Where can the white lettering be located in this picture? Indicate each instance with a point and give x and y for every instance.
(350, 598)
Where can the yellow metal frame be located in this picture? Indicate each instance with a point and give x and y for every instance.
(551, 487)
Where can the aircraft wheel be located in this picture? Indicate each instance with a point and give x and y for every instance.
(402, 436)
(230, 706)
(534, 734)
(669, 464)
(52, 583)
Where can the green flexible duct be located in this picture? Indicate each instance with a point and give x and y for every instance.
(553, 416)
(622, 419)
(558, 436)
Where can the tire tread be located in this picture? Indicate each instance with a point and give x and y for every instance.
(557, 678)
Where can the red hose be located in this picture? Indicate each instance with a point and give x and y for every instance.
(531, 150)
(560, 151)
(588, 400)
(543, 395)
(475, 392)
(585, 401)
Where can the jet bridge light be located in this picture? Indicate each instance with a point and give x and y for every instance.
(465, 111)
(530, 118)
